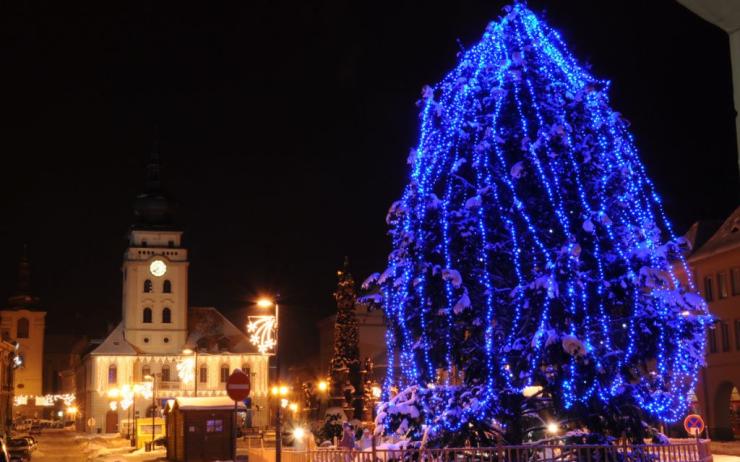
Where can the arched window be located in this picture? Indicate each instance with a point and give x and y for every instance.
(148, 286)
(203, 373)
(224, 373)
(147, 315)
(22, 328)
(112, 374)
(165, 373)
(167, 286)
(166, 316)
(146, 370)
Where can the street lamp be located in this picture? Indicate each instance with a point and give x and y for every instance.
(153, 378)
(269, 303)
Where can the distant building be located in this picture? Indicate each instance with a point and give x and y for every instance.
(62, 355)
(715, 263)
(23, 321)
(159, 334)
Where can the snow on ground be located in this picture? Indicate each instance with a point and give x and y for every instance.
(728, 448)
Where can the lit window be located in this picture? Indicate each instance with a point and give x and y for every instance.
(22, 328)
(146, 370)
(165, 373)
(167, 286)
(147, 318)
(166, 316)
(112, 374)
(214, 426)
(203, 374)
(148, 286)
(722, 285)
(224, 374)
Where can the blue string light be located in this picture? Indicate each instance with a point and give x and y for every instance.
(529, 224)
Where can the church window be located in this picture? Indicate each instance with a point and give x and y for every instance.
(112, 374)
(224, 373)
(203, 374)
(165, 373)
(148, 286)
(22, 328)
(147, 315)
(167, 286)
(166, 316)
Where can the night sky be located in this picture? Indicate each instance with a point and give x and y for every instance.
(284, 130)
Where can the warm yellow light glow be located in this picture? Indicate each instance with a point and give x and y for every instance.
(264, 303)
(113, 393)
(60, 414)
(187, 351)
(299, 433)
(283, 403)
(275, 390)
(293, 407)
(376, 391)
(72, 410)
(531, 390)
(553, 428)
(170, 403)
(158, 268)
(113, 405)
(186, 370)
(685, 313)
(126, 403)
(323, 386)
(431, 386)
(149, 378)
(283, 390)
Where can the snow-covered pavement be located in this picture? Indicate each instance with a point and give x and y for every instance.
(68, 446)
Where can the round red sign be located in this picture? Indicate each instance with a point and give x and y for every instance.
(238, 386)
(693, 424)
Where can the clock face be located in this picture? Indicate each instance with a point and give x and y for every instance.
(157, 268)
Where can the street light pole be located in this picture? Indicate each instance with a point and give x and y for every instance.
(278, 422)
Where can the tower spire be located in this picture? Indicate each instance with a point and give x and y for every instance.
(153, 208)
(23, 298)
(153, 182)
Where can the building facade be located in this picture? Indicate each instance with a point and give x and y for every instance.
(24, 322)
(162, 349)
(715, 264)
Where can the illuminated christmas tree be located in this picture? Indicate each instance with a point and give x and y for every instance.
(533, 269)
(346, 379)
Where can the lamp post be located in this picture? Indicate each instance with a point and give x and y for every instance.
(153, 379)
(267, 303)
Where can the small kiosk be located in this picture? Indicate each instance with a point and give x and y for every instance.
(201, 429)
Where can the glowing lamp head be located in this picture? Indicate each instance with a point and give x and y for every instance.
(376, 391)
(187, 351)
(553, 428)
(113, 393)
(72, 410)
(265, 303)
(283, 403)
(275, 390)
(293, 407)
(531, 391)
(299, 433)
(283, 390)
(323, 386)
(60, 414)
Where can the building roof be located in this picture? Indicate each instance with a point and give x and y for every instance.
(725, 238)
(115, 344)
(207, 403)
(210, 331)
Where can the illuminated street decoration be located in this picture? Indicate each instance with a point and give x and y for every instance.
(44, 400)
(531, 253)
(186, 370)
(262, 332)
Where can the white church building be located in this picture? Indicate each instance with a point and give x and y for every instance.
(162, 346)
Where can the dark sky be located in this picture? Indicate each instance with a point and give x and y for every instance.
(284, 129)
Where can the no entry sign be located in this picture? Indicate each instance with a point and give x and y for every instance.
(693, 424)
(238, 386)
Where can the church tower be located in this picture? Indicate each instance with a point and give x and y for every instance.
(155, 272)
(24, 322)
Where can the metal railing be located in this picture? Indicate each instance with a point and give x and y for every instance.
(677, 451)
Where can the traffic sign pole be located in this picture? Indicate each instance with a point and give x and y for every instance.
(237, 387)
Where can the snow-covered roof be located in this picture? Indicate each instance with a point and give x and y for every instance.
(725, 238)
(115, 344)
(210, 331)
(207, 403)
